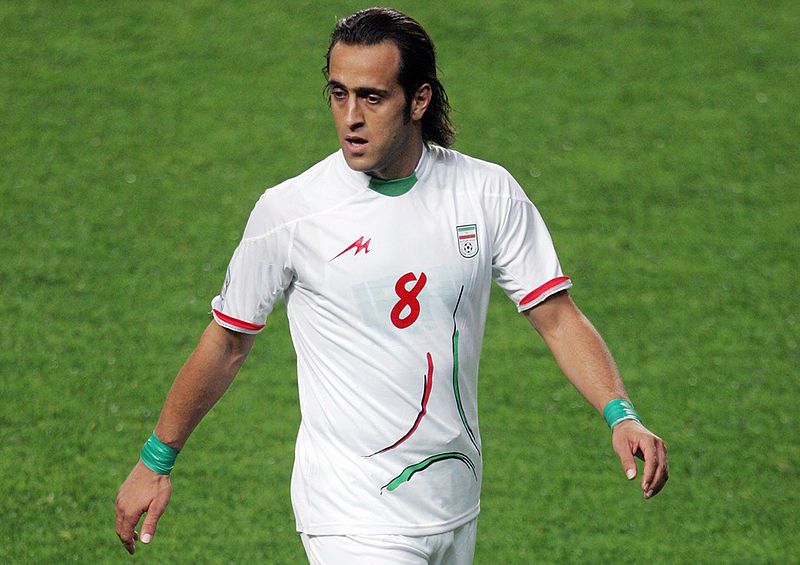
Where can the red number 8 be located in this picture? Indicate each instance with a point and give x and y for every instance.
(408, 299)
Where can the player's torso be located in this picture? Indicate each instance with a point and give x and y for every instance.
(393, 263)
(386, 288)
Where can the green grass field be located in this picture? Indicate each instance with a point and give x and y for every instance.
(661, 141)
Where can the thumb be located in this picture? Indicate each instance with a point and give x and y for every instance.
(154, 512)
(628, 464)
(625, 449)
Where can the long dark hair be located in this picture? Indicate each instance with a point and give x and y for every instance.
(417, 62)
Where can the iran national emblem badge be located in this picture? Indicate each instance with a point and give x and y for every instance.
(467, 240)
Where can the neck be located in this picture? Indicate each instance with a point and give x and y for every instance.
(405, 164)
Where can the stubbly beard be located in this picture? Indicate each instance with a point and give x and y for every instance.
(388, 161)
(393, 153)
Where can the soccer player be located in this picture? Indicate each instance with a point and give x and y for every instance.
(385, 252)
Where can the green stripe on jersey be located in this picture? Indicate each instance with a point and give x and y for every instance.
(411, 470)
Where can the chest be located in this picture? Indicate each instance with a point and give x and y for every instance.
(386, 256)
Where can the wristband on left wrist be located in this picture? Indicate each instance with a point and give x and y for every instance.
(618, 410)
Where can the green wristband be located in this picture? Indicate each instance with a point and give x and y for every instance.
(619, 410)
(158, 456)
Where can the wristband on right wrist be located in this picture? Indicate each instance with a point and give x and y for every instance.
(158, 456)
(618, 410)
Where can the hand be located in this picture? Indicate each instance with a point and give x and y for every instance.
(144, 491)
(629, 439)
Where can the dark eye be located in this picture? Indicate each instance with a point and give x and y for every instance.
(338, 94)
(373, 98)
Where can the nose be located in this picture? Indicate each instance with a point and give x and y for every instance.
(354, 116)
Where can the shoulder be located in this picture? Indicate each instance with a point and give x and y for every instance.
(472, 174)
(305, 194)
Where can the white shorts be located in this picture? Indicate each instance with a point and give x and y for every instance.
(456, 547)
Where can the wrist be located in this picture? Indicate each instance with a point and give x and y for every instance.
(619, 410)
(158, 456)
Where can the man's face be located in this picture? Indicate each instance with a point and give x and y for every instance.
(378, 135)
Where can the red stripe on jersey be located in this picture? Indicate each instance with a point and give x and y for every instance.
(238, 323)
(470, 236)
(426, 395)
(530, 297)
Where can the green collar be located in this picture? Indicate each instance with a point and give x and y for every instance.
(394, 187)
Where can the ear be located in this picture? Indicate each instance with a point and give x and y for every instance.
(420, 101)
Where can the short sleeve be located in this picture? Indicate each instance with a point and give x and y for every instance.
(258, 274)
(524, 260)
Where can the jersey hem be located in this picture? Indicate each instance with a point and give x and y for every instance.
(543, 292)
(235, 325)
(403, 529)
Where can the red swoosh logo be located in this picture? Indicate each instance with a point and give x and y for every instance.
(358, 245)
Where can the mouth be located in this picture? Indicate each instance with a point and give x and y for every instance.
(354, 143)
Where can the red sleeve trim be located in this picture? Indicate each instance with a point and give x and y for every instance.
(238, 323)
(532, 296)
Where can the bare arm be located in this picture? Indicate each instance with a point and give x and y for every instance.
(586, 361)
(202, 380)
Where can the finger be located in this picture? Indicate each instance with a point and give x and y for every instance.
(628, 463)
(151, 521)
(650, 465)
(662, 472)
(125, 529)
(624, 451)
(128, 539)
(130, 546)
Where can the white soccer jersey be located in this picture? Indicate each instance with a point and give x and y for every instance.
(387, 286)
